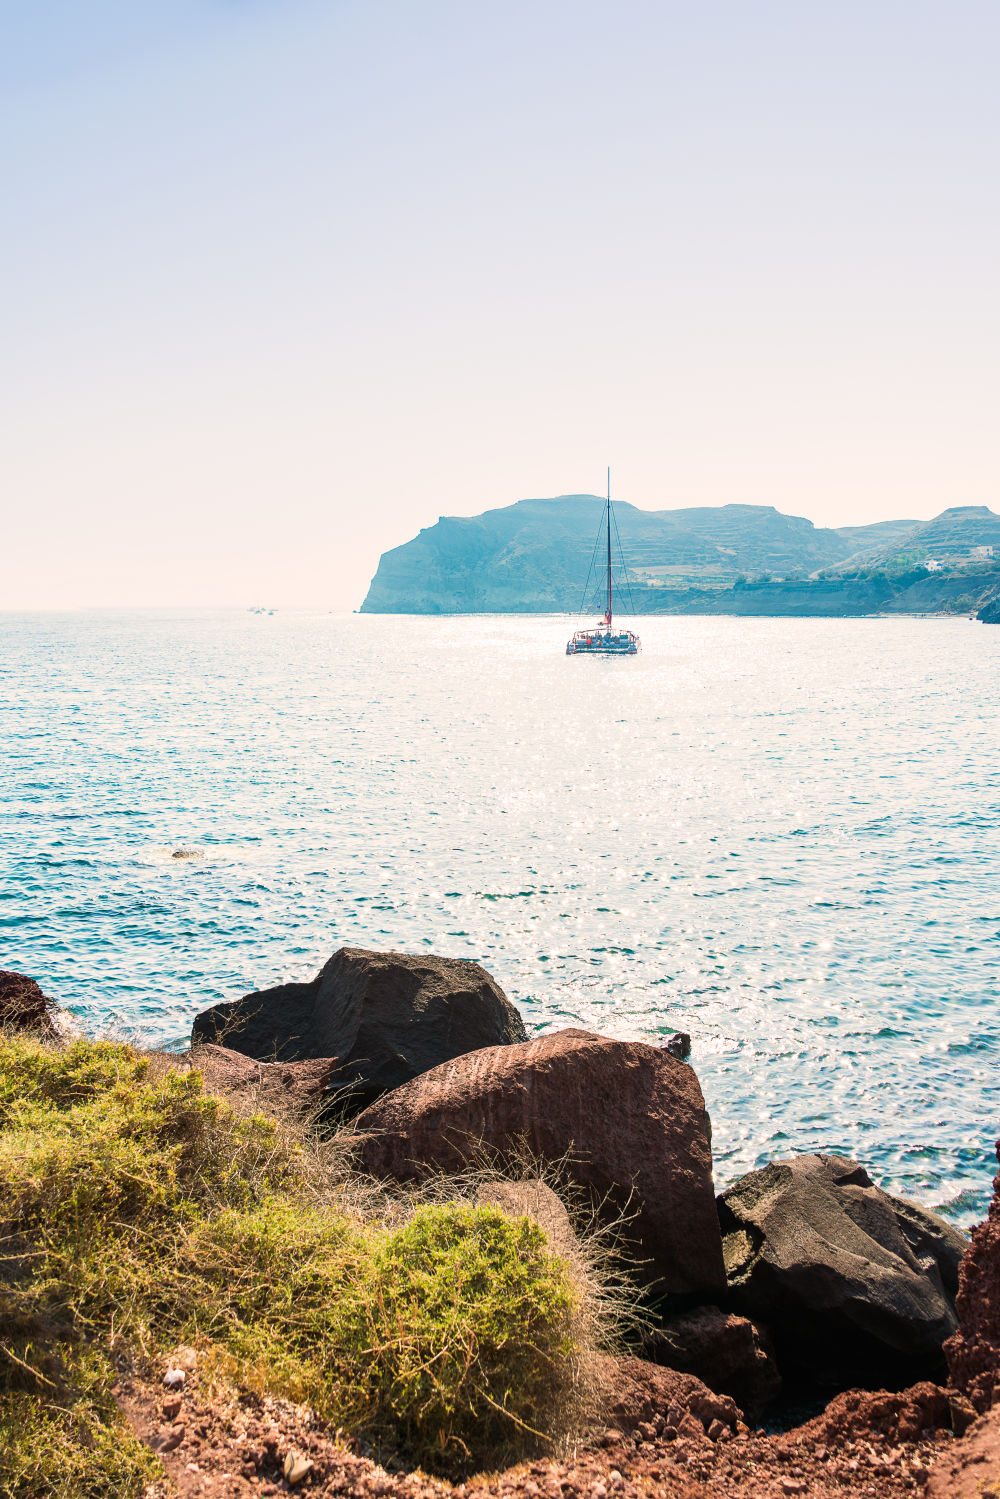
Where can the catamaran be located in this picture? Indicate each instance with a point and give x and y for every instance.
(603, 639)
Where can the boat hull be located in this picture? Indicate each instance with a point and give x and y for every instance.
(603, 643)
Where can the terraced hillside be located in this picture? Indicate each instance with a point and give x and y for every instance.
(534, 555)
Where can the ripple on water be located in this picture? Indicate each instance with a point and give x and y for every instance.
(780, 836)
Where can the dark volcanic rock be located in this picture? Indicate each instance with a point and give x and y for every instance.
(974, 1352)
(852, 1282)
(387, 1016)
(731, 1354)
(933, 1241)
(277, 1087)
(678, 1045)
(23, 1006)
(628, 1118)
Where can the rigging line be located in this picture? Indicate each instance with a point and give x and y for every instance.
(621, 557)
(586, 601)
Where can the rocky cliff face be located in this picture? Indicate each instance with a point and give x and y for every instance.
(990, 611)
(535, 555)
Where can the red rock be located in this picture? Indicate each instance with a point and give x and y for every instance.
(731, 1354)
(900, 1416)
(627, 1121)
(639, 1392)
(23, 1006)
(277, 1087)
(973, 1353)
(970, 1469)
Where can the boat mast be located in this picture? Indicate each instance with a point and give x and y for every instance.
(607, 617)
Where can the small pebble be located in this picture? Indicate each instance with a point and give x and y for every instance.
(174, 1378)
(296, 1467)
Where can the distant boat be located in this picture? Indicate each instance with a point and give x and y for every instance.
(603, 639)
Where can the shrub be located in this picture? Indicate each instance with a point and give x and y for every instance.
(139, 1212)
(462, 1347)
(73, 1444)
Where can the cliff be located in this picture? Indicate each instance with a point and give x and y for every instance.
(535, 556)
(990, 611)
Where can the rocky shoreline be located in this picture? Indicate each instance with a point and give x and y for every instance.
(803, 1333)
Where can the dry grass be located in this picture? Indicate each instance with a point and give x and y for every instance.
(139, 1211)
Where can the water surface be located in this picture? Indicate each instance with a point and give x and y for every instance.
(780, 835)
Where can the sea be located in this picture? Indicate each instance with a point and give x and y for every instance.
(779, 835)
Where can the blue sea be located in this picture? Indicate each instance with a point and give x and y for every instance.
(782, 836)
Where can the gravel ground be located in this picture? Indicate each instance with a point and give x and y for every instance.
(668, 1440)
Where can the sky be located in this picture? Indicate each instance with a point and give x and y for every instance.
(283, 281)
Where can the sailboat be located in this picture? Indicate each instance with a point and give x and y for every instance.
(603, 639)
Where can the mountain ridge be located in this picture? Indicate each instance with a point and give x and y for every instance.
(533, 555)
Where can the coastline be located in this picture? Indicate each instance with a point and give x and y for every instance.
(657, 1414)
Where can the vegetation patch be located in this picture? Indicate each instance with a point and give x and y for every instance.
(139, 1212)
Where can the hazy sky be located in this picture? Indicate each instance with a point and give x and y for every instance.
(284, 280)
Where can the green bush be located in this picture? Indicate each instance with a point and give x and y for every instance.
(139, 1212)
(71, 1442)
(463, 1343)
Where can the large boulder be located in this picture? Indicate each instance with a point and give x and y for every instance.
(387, 1016)
(731, 1354)
(973, 1353)
(627, 1121)
(23, 1006)
(296, 1089)
(852, 1282)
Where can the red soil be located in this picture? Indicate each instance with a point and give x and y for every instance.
(235, 1446)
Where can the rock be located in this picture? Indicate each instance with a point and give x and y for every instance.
(387, 1016)
(639, 1392)
(990, 611)
(858, 1415)
(973, 1352)
(296, 1467)
(730, 1354)
(851, 1281)
(678, 1045)
(298, 1088)
(969, 1469)
(23, 1006)
(626, 1121)
(932, 1240)
(174, 1378)
(533, 1199)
